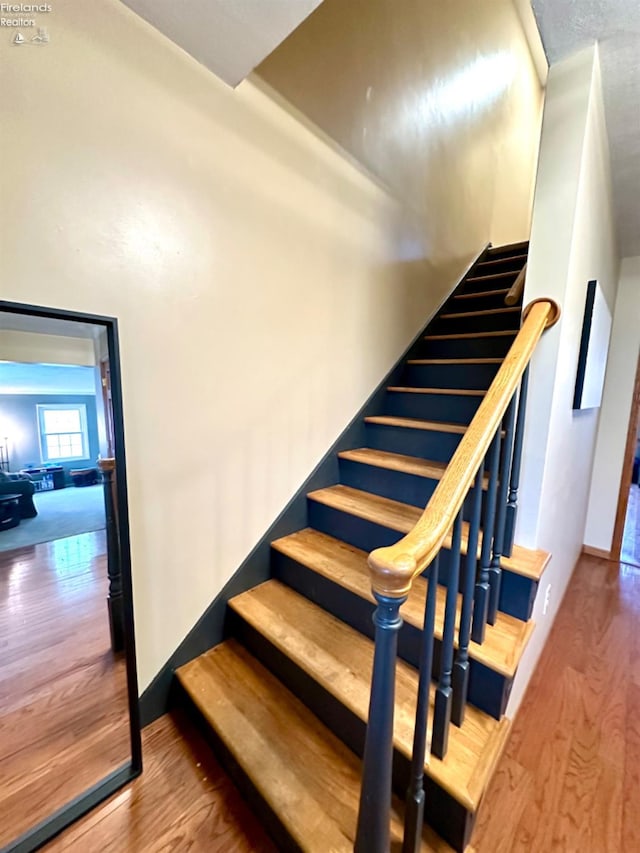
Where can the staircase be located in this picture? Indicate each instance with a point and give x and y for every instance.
(285, 699)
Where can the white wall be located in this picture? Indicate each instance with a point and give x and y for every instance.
(616, 406)
(572, 241)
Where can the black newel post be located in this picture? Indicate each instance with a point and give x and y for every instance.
(375, 796)
(115, 603)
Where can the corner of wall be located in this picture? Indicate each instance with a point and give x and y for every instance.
(573, 241)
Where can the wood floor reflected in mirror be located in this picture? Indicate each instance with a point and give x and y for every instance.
(64, 717)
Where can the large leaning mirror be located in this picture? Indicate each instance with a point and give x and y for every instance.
(69, 728)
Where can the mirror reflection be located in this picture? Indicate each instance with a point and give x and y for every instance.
(64, 718)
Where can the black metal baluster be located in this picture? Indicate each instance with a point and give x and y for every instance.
(514, 485)
(115, 600)
(495, 571)
(414, 814)
(442, 705)
(481, 597)
(461, 665)
(375, 796)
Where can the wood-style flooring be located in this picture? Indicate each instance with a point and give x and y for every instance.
(184, 801)
(63, 700)
(569, 779)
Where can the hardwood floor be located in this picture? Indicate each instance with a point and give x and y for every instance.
(182, 801)
(568, 781)
(63, 701)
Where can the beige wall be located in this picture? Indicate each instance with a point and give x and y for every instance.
(616, 407)
(262, 283)
(441, 101)
(32, 347)
(572, 241)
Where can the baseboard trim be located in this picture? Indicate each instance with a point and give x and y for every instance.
(596, 552)
(210, 630)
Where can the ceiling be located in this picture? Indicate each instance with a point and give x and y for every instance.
(48, 326)
(46, 379)
(230, 37)
(565, 27)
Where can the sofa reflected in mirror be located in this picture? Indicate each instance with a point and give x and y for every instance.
(22, 485)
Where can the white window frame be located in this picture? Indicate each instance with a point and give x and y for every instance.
(42, 435)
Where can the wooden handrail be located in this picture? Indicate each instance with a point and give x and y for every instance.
(517, 288)
(394, 568)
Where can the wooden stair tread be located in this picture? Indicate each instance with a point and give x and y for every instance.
(482, 313)
(430, 469)
(455, 360)
(460, 392)
(346, 566)
(415, 423)
(300, 768)
(403, 517)
(493, 276)
(480, 293)
(339, 658)
(460, 335)
(510, 247)
(509, 258)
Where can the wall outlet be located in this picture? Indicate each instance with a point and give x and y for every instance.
(547, 599)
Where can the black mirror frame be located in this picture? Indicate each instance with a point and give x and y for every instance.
(80, 805)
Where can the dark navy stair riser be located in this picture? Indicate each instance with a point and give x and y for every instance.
(389, 484)
(427, 444)
(451, 408)
(476, 347)
(498, 265)
(517, 595)
(396, 485)
(472, 377)
(477, 303)
(483, 284)
(479, 323)
(355, 531)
